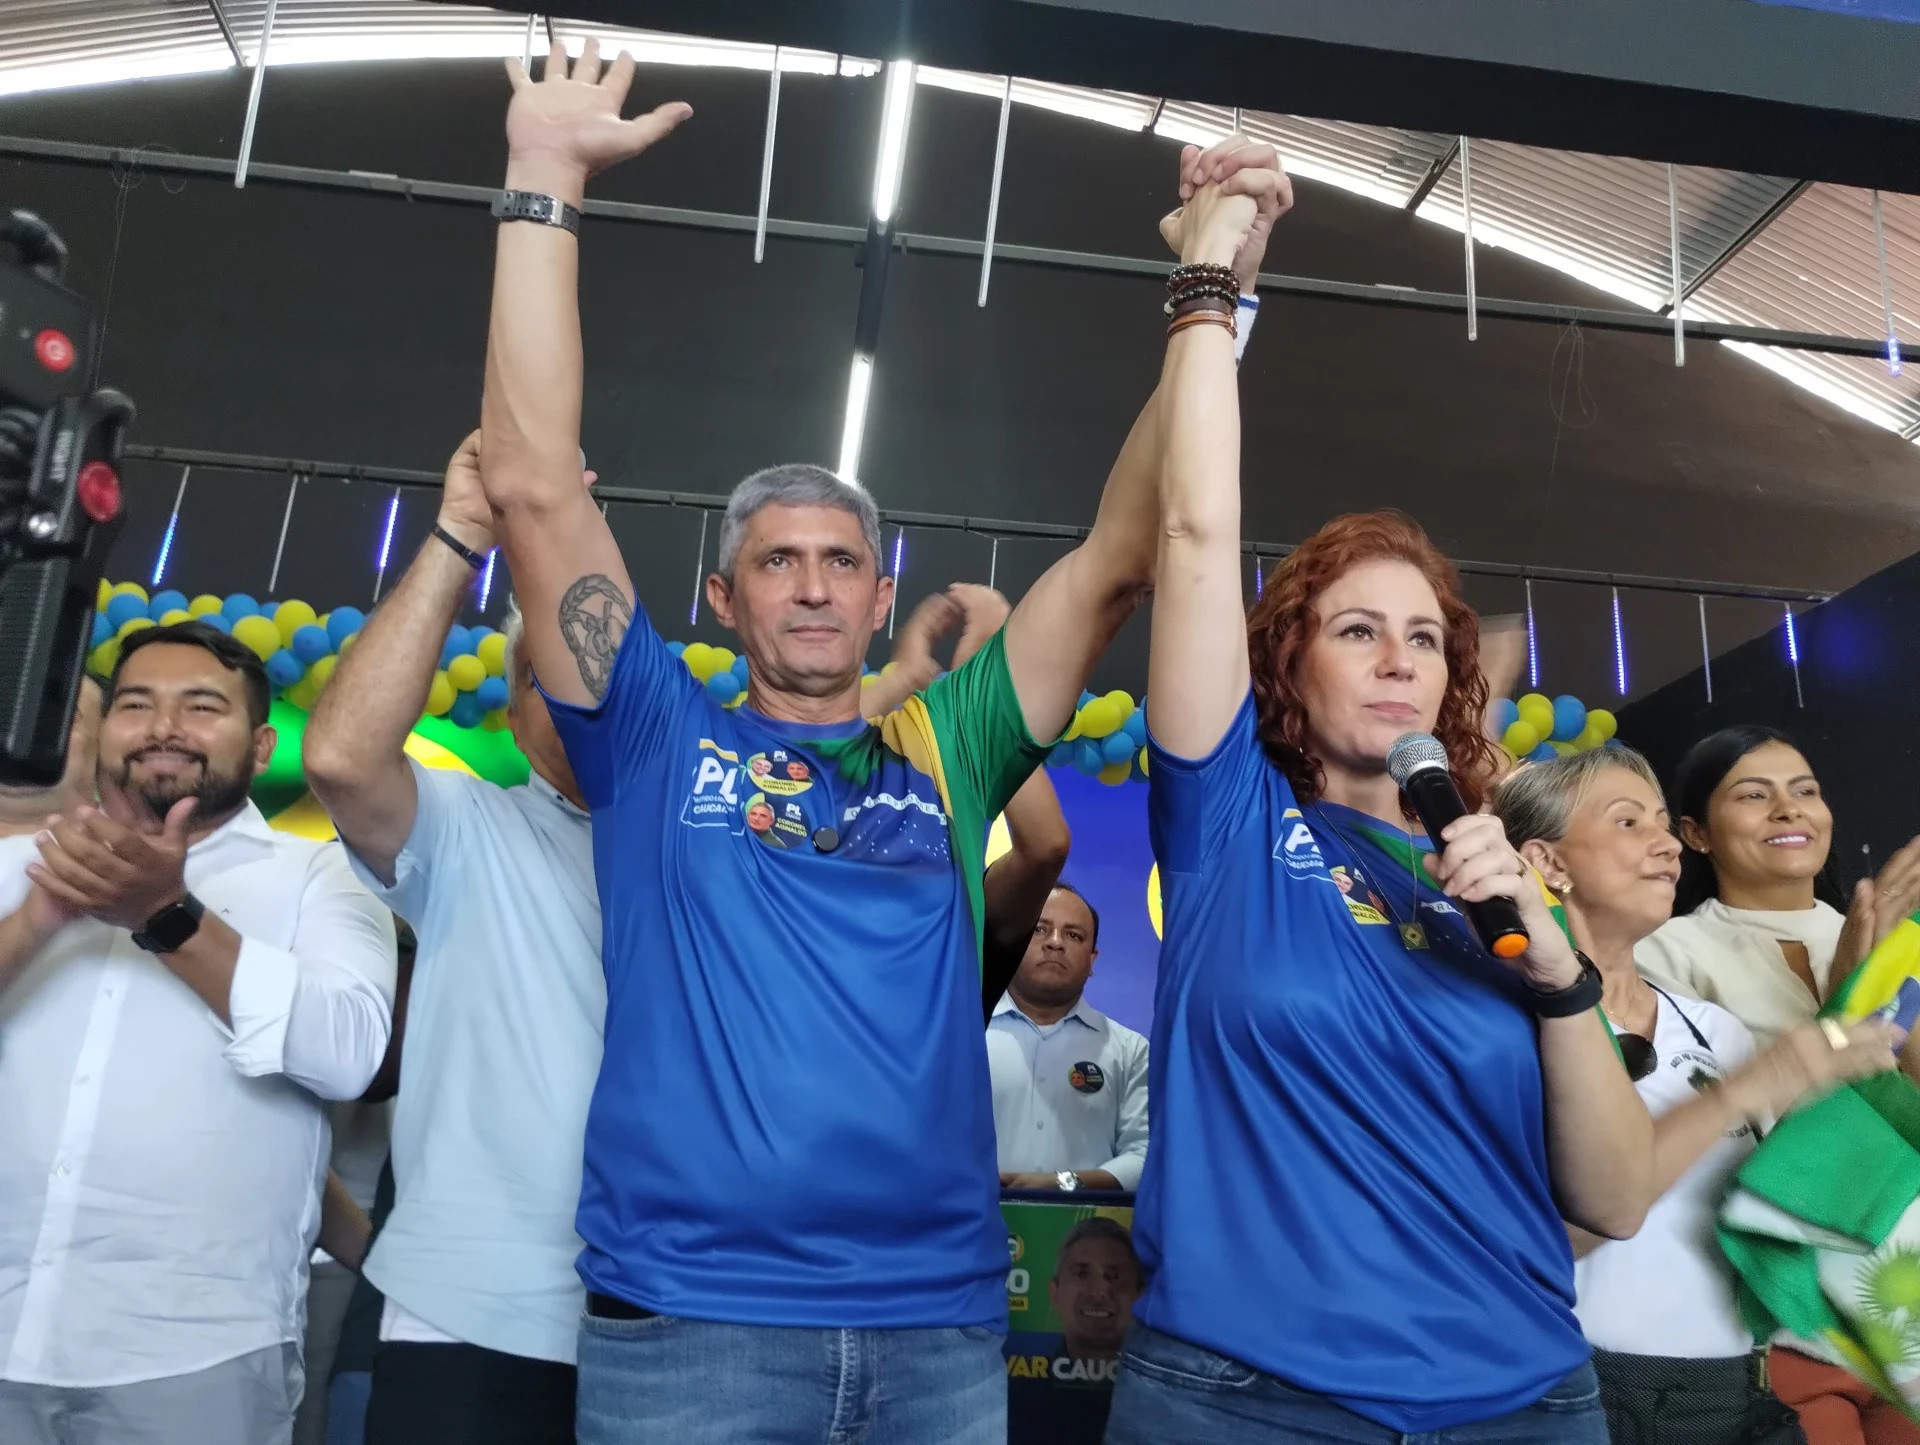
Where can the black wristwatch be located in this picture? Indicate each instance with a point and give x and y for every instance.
(172, 926)
(532, 206)
(1580, 996)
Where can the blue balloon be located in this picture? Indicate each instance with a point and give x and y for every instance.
(1085, 698)
(1615, 743)
(458, 643)
(238, 605)
(724, 686)
(342, 623)
(284, 669)
(1506, 712)
(102, 630)
(123, 609)
(1061, 756)
(164, 602)
(216, 621)
(310, 644)
(740, 666)
(1118, 747)
(492, 693)
(1088, 756)
(676, 648)
(466, 711)
(1135, 727)
(1569, 718)
(1542, 754)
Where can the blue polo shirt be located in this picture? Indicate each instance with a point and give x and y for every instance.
(1348, 1184)
(792, 1124)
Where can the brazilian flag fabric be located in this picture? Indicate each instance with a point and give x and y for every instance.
(1823, 1223)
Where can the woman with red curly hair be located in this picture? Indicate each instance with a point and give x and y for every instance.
(1367, 1129)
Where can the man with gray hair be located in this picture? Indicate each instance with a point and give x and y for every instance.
(790, 1201)
(503, 1030)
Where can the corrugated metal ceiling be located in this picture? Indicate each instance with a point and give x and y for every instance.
(1602, 220)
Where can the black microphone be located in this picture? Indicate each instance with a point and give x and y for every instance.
(1418, 764)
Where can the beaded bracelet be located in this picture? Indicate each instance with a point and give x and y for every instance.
(1229, 295)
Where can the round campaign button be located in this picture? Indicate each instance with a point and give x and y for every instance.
(826, 839)
(54, 350)
(1087, 1078)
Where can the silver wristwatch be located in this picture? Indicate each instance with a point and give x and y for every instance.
(1067, 1180)
(532, 206)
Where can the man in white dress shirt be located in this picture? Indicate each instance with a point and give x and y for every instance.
(1069, 1084)
(180, 988)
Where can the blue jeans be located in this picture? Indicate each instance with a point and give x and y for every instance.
(667, 1381)
(1171, 1393)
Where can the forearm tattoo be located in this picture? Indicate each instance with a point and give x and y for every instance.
(594, 616)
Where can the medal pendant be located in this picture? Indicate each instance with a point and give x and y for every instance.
(1413, 935)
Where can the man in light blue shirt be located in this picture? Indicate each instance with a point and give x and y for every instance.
(1069, 1084)
(503, 1034)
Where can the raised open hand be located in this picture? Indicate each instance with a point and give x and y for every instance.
(572, 120)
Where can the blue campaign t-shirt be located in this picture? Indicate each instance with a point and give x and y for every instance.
(792, 1123)
(1348, 1185)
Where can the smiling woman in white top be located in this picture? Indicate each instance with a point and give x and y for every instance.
(1675, 1362)
(1752, 934)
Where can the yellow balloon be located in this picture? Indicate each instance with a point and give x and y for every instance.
(347, 642)
(173, 615)
(303, 694)
(1520, 738)
(101, 660)
(132, 625)
(130, 589)
(887, 671)
(1144, 771)
(322, 670)
(1100, 718)
(1588, 740)
(203, 604)
(1600, 721)
(466, 673)
(698, 658)
(1566, 750)
(440, 695)
(1537, 713)
(492, 653)
(260, 634)
(870, 679)
(494, 721)
(1114, 773)
(290, 617)
(723, 660)
(1074, 728)
(1123, 702)
(102, 595)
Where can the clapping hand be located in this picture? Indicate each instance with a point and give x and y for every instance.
(90, 864)
(1876, 907)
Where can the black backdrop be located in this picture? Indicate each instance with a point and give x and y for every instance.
(1856, 713)
(291, 321)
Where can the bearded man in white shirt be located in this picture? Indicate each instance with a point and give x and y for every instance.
(180, 988)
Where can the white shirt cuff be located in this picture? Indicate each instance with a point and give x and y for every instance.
(260, 1003)
(1126, 1169)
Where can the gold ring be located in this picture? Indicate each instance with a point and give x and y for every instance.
(1836, 1035)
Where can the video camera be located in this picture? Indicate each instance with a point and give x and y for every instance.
(60, 504)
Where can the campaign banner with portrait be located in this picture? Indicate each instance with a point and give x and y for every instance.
(1070, 1293)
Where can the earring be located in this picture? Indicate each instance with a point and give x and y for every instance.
(1563, 887)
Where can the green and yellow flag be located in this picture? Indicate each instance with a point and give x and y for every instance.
(1822, 1226)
